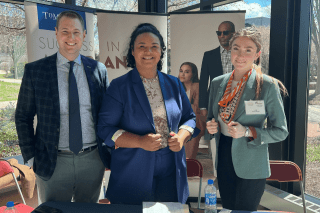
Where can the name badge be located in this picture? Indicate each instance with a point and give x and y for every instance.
(255, 107)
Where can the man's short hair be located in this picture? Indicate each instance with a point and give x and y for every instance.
(233, 29)
(70, 14)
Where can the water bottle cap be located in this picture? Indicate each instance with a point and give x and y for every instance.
(210, 181)
(10, 204)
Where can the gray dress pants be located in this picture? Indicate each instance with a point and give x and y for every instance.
(76, 178)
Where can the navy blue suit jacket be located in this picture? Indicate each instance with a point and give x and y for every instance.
(39, 95)
(211, 67)
(126, 106)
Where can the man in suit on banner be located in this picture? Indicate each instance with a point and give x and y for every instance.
(65, 92)
(214, 63)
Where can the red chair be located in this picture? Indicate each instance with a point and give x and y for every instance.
(5, 168)
(287, 171)
(195, 169)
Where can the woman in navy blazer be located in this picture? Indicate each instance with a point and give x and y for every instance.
(239, 104)
(146, 118)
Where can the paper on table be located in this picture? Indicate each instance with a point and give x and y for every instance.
(164, 207)
(225, 211)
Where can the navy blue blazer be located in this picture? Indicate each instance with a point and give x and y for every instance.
(39, 95)
(126, 106)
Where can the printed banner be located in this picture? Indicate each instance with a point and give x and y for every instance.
(40, 31)
(47, 16)
(114, 36)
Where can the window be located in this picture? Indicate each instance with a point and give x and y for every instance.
(13, 57)
(313, 136)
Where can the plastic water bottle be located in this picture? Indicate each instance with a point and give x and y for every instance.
(10, 208)
(210, 192)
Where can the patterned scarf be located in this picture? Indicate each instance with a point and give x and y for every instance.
(229, 102)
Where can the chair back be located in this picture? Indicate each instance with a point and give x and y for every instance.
(285, 171)
(5, 168)
(194, 168)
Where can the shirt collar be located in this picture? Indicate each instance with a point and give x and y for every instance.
(149, 79)
(222, 50)
(62, 60)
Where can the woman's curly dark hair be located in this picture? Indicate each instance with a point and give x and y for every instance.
(140, 29)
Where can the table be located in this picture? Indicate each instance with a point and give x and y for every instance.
(235, 211)
(71, 207)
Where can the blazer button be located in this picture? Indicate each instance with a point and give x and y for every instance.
(58, 130)
(56, 147)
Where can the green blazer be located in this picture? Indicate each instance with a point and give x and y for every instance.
(251, 158)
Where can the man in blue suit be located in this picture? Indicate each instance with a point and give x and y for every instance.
(65, 92)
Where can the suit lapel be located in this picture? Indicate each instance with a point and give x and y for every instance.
(248, 94)
(141, 95)
(220, 93)
(217, 57)
(165, 99)
(89, 68)
(53, 79)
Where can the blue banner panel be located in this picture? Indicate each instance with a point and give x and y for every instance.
(47, 16)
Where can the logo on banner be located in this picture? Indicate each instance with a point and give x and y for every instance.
(47, 42)
(114, 63)
(47, 16)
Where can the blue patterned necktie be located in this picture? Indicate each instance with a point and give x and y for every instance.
(75, 133)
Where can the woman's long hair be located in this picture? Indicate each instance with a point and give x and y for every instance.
(194, 70)
(255, 36)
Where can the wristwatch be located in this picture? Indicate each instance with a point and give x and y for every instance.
(246, 133)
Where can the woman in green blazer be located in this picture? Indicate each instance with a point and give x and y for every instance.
(239, 104)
